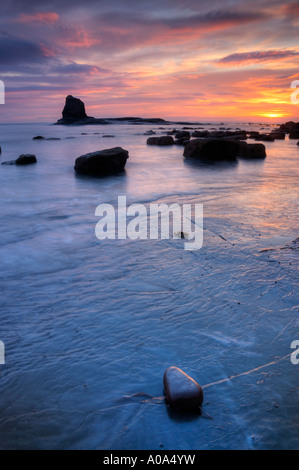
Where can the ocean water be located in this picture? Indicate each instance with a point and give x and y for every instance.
(88, 323)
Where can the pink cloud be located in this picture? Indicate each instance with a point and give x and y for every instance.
(45, 18)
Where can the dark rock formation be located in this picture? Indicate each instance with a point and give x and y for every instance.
(289, 126)
(294, 134)
(212, 149)
(24, 159)
(278, 135)
(74, 113)
(251, 150)
(38, 137)
(74, 109)
(265, 137)
(183, 135)
(102, 162)
(181, 391)
(163, 140)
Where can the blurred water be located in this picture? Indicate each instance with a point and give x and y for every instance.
(86, 323)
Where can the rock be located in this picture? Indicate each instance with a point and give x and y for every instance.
(182, 135)
(10, 162)
(149, 132)
(298, 142)
(26, 159)
(163, 140)
(108, 135)
(74, 109)
(212, 149)
(38, 137)
(278, 135)
(251, 150)
(265, 137)
(200, 133)
(289, 126)
(253, 134)
(181, 141)
(102, 162)
(181, 391)
(294, 134)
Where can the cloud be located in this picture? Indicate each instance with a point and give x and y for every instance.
(247, 58)
(40, 17)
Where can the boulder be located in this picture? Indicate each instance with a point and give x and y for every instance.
(265, 137)
(26, 159)
(163, 140)
(200, 134)
(294, 134)
(251, 150)
(278, 135)
(182, 135)
(289, 126)
(212, 149)
(181, 391)
(102, 162)
(38, 137)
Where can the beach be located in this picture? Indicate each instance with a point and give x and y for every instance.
(88, 323)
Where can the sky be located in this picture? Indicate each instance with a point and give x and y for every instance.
(173, 59)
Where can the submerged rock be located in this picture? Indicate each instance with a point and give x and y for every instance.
(251, 150)
(294, 134)
(212, 149)
(102, 162)
(266, 137)
(163, 140)
(24, 159)
(181, 391)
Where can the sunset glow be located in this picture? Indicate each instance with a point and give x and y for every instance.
(203, 60)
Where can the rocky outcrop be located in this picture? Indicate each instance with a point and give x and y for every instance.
(289, 126)
(74, 113)
(102, 162)
(251, 150)
(24, 159)
(294, 134)
(212, 149)
(265, 137)
(162, 140)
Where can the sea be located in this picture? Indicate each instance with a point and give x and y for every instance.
(89, 326)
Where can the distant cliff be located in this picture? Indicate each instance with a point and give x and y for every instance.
(74, 113)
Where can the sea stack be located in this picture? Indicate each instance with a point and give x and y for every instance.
(73, 111)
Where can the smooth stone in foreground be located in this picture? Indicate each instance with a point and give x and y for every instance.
(181, 391)
(102, 162)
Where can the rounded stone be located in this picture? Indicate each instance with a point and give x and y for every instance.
(181, 391)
